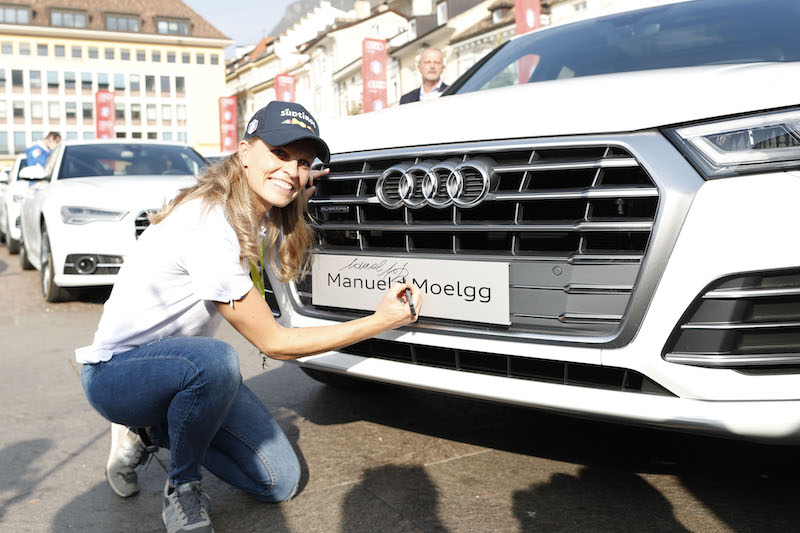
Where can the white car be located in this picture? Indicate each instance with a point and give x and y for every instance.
(617, 238)
(12, 193)
(89, 204)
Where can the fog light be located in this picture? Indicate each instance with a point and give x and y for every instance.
(86, 264)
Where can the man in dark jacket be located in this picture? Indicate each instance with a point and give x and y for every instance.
(431, 66)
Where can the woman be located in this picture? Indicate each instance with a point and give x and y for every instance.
(153, 363)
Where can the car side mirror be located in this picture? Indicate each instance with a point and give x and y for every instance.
(33, 172)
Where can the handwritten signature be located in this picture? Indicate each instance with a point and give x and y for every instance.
(381, 268)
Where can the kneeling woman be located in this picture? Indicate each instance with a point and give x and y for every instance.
(153, 363)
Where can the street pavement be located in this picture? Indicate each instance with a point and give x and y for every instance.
(377, 460)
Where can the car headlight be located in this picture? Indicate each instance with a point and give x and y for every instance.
(84, 215)
(757, 143)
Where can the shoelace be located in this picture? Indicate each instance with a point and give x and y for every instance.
(191, 502)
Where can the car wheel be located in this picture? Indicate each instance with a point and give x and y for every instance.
(339, 381)
(23, 258)
(50, 291)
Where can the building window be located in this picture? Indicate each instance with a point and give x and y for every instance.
(3, 112)
(152, 135)
(579, 6)
(24, 49)
(120, 111)
(200, 58)
(52, 79)
(180, 112)
(151, 111)
(41, 49)
(19, 109)
(167, 136)
(36, 110)
(122, 23)
(35, 79)
(102, 81)
(67, 19)
(170, 57)
(60, 50)
(110, 53)
(125, 54)
(165, 85)
(166, 112)
(2, 79)
(77, 51)
(215, 59)
(72, 135)
(136, 135)
(140, 55)
(186, 57)
(180, 84)
(150, 84)
(441, 13)
(88, 109)
(136, 112)
(71, 110)
(156, 56)
(3, 142)
(88, 135)
(172, 27)
(69, 80)
(86, 81)
(14, 15)
(93, 53)
(54, 111)
(135, 83)
(121, 135)
(19, 142)
(119, 82)
(7, 48)
(16, 78)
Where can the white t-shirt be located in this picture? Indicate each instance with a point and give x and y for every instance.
(167, 286)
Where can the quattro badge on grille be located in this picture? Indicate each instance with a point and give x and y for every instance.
(334, 209)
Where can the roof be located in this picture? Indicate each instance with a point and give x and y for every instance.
(145, 10)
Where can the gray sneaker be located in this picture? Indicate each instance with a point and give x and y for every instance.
(186, 509)
(127, 452)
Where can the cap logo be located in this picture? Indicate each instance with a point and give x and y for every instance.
(252, 126)
(300, 123)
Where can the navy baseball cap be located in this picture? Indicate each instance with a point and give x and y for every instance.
(280, 123)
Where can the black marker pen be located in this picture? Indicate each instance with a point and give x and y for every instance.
(410, 301)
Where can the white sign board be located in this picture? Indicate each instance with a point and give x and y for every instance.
(474, 291)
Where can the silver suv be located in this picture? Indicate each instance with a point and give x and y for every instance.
(602, 216)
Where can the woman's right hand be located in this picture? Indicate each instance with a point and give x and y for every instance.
(394, 310)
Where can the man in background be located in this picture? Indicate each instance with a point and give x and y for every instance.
(38, 151)
(431, 66)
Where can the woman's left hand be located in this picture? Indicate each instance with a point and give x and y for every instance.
(312, 175)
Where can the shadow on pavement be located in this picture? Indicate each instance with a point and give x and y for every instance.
(408, 490)
(3, 266)
(20, 477)
(597, 500)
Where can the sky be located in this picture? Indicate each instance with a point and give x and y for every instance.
(246, 23)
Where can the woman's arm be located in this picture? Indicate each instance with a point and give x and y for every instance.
(252, 317)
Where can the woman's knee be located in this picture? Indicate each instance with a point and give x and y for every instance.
(220, 364)
(285, 483)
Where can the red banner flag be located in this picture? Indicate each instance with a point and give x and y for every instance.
(373, 73)
(528, 15)
(227, 124)
(285, 87)
(104, 115)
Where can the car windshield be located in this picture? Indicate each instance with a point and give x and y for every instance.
(88, 160)
(693, 33)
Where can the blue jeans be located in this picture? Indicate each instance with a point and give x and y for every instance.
(189, 392)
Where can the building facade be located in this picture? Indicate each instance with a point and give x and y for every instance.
(164, 64)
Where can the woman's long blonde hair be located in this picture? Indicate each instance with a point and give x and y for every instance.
(288, 236)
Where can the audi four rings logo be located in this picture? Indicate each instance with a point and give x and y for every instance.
(438, 184)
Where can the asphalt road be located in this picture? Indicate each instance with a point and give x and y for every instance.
(381, 460)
